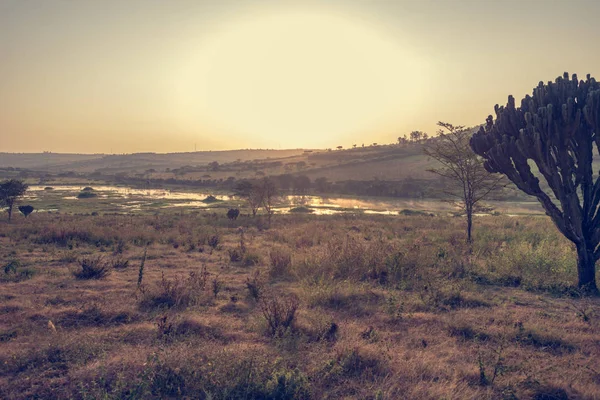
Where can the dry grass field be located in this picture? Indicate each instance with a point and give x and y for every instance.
(193, 305)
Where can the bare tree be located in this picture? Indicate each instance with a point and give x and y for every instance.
(558, 130)
(470, 183)
(252, 193)
(10, 191)
(270, 196)
(255, 198)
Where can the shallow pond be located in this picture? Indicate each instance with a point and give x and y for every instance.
(129, 199)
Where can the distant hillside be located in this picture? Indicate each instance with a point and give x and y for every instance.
(86, 163)
(378, 170)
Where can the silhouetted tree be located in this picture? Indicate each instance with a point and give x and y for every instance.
(557, 129)
(242, 188)
(26, 210)
(322, 185)
(339, 147)
(301, 184)
(10, 191)
(415, 136)
(252, 193)
(284, 181)
(470, 182)
(214, 166)
(270, 195)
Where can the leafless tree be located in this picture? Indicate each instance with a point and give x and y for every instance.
(470, 182)
(270, 196)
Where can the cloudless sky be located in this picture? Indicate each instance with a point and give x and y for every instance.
(147, 75)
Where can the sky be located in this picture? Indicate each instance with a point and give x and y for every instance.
(113, 76)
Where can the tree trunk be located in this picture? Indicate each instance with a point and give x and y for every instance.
(469, 225)
(586, 268)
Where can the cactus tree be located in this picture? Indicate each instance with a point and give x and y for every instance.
(558, 130)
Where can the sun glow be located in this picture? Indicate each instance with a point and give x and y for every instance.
(298, 78)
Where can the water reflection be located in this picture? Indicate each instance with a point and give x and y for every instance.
(139, 199)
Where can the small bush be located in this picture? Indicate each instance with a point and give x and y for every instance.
(120, 263)
(465, 332)
(214, 240)
(93, 268)
(279, 312)
(217, 286)
(287, 384)
(235, 255)
(302, 210)
(11, 267)
(120, 246)
(86, 195)
(281, 261)
(255, 286)
(250, 259)
(319, 327)
(210, 199)
(177, 292)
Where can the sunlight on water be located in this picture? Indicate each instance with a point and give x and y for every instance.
(141, 199)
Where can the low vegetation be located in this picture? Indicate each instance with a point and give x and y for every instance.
(346, 306)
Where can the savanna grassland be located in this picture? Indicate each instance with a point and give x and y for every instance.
(195, 305)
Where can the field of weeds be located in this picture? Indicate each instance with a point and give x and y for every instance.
(346, 306)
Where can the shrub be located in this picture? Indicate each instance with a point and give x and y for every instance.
(251, 259)
(86, 195)
(287, 384)
(279, 312)
(210, 199)
(281, 261)
(120, 246)
(235, 255)
(255, 286)
(11, 267)
(302, 210)
(214, 240)
(93, 268)
(177, 292)
(120, 263)
(14, 272)
(464, 332)
(217, 286)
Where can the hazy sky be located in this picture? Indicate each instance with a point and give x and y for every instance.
(147, 75)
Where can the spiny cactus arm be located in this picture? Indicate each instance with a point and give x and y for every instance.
(506, 154)
(500, 158)
(591, 112)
